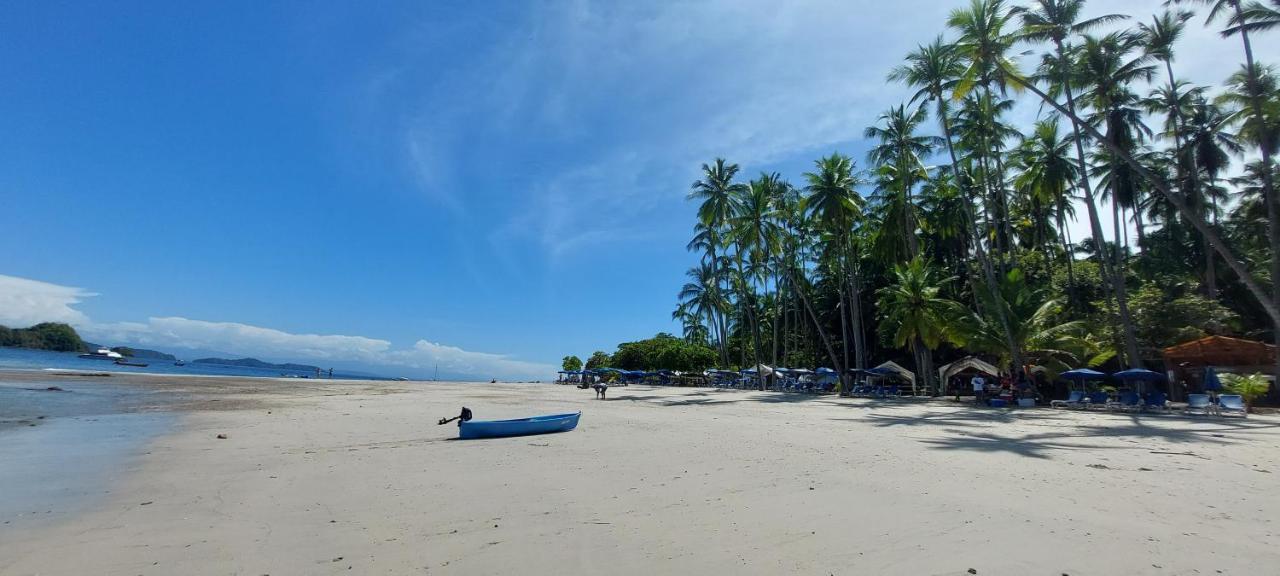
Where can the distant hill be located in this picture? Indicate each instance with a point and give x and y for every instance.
(143, 353)
(44, 336)
(256, 363)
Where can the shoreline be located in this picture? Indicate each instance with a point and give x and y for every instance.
(357, 478)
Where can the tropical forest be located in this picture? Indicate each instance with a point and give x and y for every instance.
(953, 236)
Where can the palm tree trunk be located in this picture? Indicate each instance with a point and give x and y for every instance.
(1189, 174)
(844, 322)
(988, 270)
(855, 305)
(1122, 297)
(1268, 186)
(1255, 289)
(826, 342)
(1063, 235)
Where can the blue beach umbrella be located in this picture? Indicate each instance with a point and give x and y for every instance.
(1211, 380)
(1140, 375)
(1082, 375)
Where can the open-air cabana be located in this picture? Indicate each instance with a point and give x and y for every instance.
(967, 367)
(1186, 362)
(892, 369)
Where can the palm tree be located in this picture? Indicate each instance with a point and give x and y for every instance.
(900, 147)
(915, 314)
(834, 201)
(700, 297)
(1042, 335)
(1160, 37)
(1047, 177)
(986, 38)
(1257, 18)
(718, 193)
(1102, 67)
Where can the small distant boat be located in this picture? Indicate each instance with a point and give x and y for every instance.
(128, 363)
(179, 363)
(103, 354)
(469, 429)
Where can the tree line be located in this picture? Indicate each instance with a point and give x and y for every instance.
(951, 237)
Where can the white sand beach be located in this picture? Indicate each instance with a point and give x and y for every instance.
(356, 478)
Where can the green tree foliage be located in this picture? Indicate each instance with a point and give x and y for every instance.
(1182, 165)
(44, 336)
(664, 351)
(1250, 387)
(1167, 315)
(571, 363)
(599, 359)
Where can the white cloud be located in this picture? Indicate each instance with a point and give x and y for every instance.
(645, 92)
(428, 355)
(24, 302)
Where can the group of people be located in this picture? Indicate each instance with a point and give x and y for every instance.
(985, 388)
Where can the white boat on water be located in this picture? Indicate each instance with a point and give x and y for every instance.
(103, 354)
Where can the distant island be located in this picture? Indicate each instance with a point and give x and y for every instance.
(54, 336)
(256, 363)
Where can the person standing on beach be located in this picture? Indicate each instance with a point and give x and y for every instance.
(979, 389)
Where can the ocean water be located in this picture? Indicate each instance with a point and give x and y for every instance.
(61, 450)
(38, 359)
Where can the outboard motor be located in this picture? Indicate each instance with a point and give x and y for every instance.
(463, 417)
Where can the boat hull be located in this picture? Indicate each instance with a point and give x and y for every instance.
(519, 427)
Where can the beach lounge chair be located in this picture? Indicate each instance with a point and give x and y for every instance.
(1156, 401)
(1097, 399)
(1197, 404)
(892, 391)
(1073, 400)
(1232, 404)
(1128, 401)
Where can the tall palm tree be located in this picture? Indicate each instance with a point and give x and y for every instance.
(1105, 71)
(834, 201)
(1242, 19)
(1154, 181)
(986, 37)
(1160, 37)
(901, 147)
(915, 314)
(718, 194)
(700, 295)
(1047, 177)
(935, 70)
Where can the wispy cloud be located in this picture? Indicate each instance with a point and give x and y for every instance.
(24, 302)
(631, 97)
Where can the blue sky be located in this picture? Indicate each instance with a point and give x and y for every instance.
(396, 185)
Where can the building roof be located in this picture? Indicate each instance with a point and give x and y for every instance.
(1220, 351)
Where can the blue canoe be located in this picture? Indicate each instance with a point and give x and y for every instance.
(518, 427)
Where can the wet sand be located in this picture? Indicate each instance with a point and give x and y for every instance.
(320, 477)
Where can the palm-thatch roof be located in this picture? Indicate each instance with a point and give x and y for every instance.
(1220, 351)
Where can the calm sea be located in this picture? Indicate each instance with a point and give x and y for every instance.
(61, 451)
(23, 358)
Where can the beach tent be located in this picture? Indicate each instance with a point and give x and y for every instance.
(970, 363)
(898, 370)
